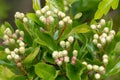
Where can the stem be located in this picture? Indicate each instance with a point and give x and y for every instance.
(63, 29)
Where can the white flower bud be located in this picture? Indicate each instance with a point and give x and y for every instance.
(22, 15)
(9, 57)
(7, 50)
(13, 54)
(96, 36)
(66, 59)
(59, 13)
(14, 36)
(70, 21)
(95, 41)
(46, 8)
(65, 19)
(55, 11)
(103, 40)
(12, 41)
(112, 32)
(8, 31)
(21, 44)
(75, 52)
(5, 37)
(102, 22)
(51, 19)
(64, 52)
(16, 50)
(104, 35)
(55, 54)
(95, 67)
(48, 13)
(63, 15)
(70, 39)
(17, 31)
(25, 20)
(89, 67)
(67, 43)
(99, 45)
(84, 63)
(43, 10)
(98, 26)
(16, 57)
(108, 38)
(101, 69)
(21, 33)
(106, 30)
(61, 23)
(105, 61)
(59, 63)
(93, 26)
(62, 43)
(22, 50)
(42, 18)
(97, 76)
(105, 56)
(38, 12)
(60, 54)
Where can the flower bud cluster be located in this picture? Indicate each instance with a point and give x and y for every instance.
(15, 44)
(21, 16)
(45, 15)
(60, 57)
(66, 44)
(64, 18)
(99, 25)
(97, 69)
(105, 59)
(74, 57)
(104, 36)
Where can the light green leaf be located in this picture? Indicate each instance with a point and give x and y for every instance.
(78, 15)
(32, 56)
(5, 73)
(83, 28)
(104, 7)
(36, 4)
(45, 71)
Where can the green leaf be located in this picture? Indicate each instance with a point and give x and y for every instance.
(19, 77)
(3, 55)
(74, 72)
(114, 70)
(32, 56)
(36, 4)
(78, 15)
(104, 7)
(45, 71)
(5, 73)
(46, 40)
(83, 28)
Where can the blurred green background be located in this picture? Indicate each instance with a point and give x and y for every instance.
(9, 7)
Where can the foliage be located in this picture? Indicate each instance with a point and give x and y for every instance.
(61, 41)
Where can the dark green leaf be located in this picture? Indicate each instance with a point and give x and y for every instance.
(19, 77)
